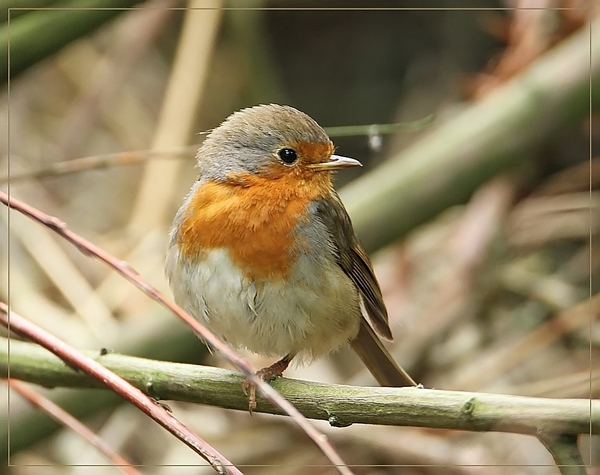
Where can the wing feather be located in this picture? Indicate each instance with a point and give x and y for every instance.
(354, 261)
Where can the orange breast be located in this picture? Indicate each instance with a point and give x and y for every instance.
(253, 218)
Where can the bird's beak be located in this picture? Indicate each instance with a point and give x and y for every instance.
(335, 162)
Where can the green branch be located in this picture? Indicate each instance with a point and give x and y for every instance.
(340, 405)
(565, 452)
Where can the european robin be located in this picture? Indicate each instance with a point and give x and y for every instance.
(263, 252)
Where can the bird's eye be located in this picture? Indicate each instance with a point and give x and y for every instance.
(288, 155)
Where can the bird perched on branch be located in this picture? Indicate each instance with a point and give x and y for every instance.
(263, 252)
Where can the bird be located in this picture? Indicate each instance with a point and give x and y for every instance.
(263, 253)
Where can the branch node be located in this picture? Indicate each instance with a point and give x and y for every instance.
(151, 391)
(335, 421)
(468, 407)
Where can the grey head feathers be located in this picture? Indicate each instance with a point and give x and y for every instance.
(250, 139)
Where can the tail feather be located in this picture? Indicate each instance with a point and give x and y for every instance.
(377, 359)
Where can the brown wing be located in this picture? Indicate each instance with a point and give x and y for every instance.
(354, 261)
(356, 264)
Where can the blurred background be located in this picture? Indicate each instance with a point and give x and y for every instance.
(478, 209)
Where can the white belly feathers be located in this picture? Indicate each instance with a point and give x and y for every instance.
(302, 314)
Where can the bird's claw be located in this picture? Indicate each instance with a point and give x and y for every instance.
(266, 374)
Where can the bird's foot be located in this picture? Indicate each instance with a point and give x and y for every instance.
(266, 374)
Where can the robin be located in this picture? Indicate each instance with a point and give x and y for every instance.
(263, 252)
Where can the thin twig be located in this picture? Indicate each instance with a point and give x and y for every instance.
(100, 161)
(74, 358)
(107, 160)
(62, 416)
(132, 276)
(380, 129)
